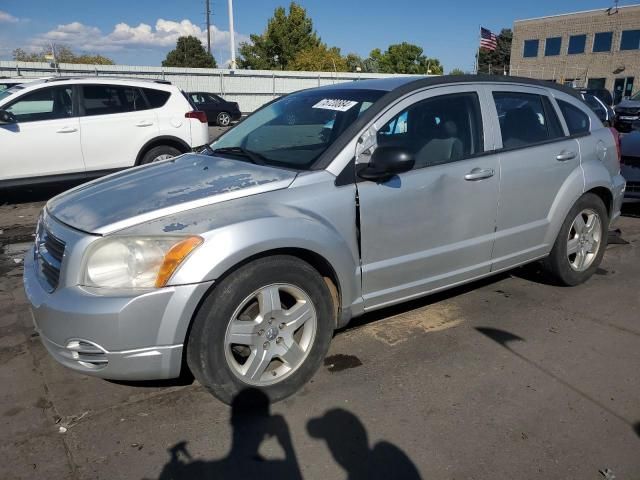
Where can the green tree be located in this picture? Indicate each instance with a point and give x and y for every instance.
(319, 59)
(498, 60)
(63, 54)
(457, 71)
(404, 58)
(190, 53)
(285, 37)
(354, 62)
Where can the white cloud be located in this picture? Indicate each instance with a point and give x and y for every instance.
(143, 36)
(8, 18)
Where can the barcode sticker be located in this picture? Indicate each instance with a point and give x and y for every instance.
(335, 104)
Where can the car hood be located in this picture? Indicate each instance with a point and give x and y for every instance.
(629, 104)
(153, 191)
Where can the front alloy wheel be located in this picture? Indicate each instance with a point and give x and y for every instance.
(224, 119)
(270, 334)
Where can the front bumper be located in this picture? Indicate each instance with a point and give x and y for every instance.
(131, 336)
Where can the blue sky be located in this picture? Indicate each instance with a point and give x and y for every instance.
(142, 31)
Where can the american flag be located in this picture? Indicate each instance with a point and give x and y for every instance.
(488, 39)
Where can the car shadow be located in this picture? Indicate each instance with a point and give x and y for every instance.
(36, 193)
(252, 423)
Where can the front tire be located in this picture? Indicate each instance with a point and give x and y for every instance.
(581, 243)
(267, 325)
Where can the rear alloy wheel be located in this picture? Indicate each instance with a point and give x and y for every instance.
(223, 119)
(159, 153)
(581, 243)
(267, 325)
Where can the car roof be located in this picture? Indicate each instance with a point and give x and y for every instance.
(409, 83)
(92, 79)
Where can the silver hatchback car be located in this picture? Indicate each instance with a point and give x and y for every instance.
(241, 261)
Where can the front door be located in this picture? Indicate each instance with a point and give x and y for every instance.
(46, 139)
(433, 226)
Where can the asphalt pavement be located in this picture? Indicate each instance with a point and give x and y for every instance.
(507, 378)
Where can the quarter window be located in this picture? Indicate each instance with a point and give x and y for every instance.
(437, 130)
(577, 44)
(525, 119)
(577, 121)
(43, 104)
(156, 98)
(630, 40)
(530, 48)
(552, 46)
(110, 99)
(602, 42)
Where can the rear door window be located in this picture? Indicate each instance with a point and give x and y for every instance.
(577, 121)
(526, 119)
(49, 103)
(437, 130)
(110, 99)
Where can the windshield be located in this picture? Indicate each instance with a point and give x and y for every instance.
(9, 91)
(294, 131)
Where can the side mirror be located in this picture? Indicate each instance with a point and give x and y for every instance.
(7, 118)
(387, 162)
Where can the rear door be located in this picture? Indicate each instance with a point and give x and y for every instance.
(433, 226)
(46, 139)
(116, 122)
(536, 159)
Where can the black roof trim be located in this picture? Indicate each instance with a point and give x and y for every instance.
(420, 83)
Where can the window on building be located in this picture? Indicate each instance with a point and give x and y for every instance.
(602, 42)
(530, 48)
(552, 46)
(630, 40)
(577, 44)
(594, 83)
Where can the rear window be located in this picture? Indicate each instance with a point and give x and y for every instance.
(525, 119)
(156, 98)
(577, 121)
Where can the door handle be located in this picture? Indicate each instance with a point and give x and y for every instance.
(144, 123)
(479, 174)
(66, 130)
(564, 156)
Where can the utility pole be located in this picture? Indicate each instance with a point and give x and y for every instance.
(208, 14)
(232, 40)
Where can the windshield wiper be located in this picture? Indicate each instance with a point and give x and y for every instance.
(254, 157)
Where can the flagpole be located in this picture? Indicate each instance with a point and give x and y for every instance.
(478, 52)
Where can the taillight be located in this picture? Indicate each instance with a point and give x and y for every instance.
(198, 115)
(616, 137)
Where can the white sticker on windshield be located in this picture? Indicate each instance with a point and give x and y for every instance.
(335, 104)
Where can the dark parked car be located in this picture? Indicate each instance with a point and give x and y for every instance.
(630, 164)
(627, 113)
(605, 113)
(218, 110)
(602, 93)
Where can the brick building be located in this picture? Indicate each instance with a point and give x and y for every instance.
(596, 48)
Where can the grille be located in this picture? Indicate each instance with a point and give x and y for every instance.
(633, 187)
(50, 251)
(628, 111)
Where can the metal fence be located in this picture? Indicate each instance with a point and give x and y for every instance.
(250, 88)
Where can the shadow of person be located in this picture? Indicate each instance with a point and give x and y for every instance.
(252, 424)
(347, 440)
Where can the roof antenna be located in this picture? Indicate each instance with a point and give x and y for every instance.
(613, 10)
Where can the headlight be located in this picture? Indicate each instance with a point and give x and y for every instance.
(135, 262)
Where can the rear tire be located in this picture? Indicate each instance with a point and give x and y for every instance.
(161, 152)
(223, 119)
(581, 242)
(243, 334)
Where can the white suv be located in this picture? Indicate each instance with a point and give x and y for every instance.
(74, 128)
